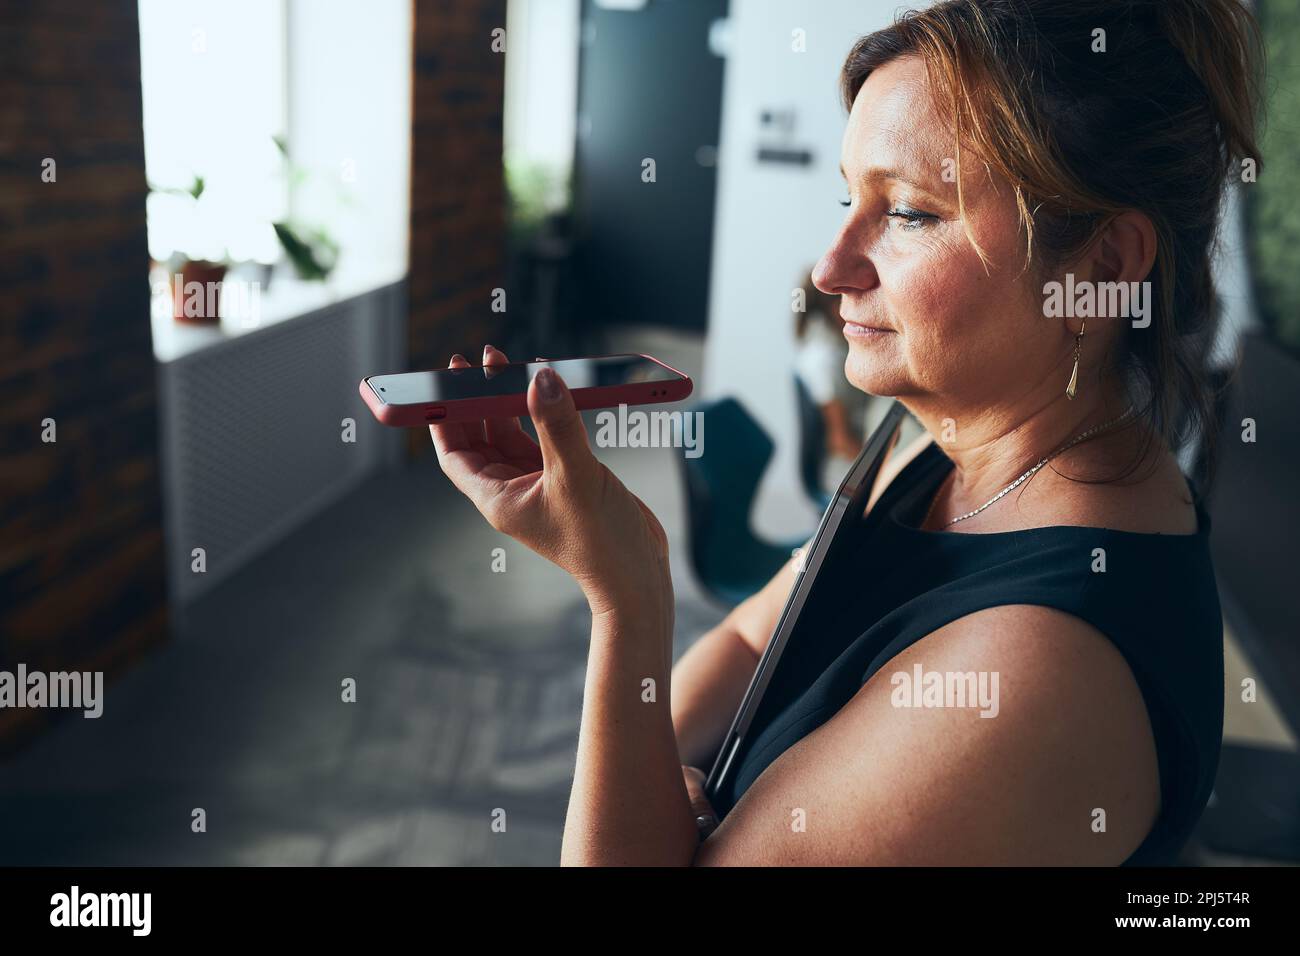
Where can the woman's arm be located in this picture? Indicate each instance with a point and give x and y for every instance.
(629, 803)
(1056, 765)
(711, 677)
(708, 684)
(1051, 762)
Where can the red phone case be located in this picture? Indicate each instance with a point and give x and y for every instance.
(509, 406)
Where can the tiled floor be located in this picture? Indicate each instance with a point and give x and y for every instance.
(469, 688)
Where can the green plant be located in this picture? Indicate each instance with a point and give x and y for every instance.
(1273, 203)
(194, 190)
(198, 243)
(311, 249)
(313, 254)
(533, 191)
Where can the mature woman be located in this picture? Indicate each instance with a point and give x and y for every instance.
(1040, 535)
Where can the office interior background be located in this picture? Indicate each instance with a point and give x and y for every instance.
(222, 528)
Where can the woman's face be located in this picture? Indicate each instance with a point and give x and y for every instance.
(924, 317)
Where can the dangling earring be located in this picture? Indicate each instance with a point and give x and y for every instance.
(1074, 375)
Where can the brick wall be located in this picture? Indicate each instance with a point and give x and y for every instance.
(81, 567)
(458, 218)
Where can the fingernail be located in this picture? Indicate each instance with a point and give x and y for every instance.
(487, 349)
(549, 385)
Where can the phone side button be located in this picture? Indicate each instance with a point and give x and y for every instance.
(435, 412)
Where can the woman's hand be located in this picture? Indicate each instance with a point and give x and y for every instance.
(557, 498)
(706, 820)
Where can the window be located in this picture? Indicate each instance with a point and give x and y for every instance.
(224, 82)
(214, 92)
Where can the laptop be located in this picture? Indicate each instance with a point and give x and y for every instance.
(833, 533)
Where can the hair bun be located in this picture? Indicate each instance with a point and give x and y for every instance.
(1222, 43)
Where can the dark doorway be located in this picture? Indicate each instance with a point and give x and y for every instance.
(649, 87)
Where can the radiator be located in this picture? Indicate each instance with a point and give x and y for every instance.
(252, 433)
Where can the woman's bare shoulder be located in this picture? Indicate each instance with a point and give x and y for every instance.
(1156, 499)
(901, 777)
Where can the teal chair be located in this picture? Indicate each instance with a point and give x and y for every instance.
(730, 561)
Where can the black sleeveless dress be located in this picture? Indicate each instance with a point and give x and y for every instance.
(1156, 601)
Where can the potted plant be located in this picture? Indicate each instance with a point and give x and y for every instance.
(195, 282)
(311, 250)
(540, 246)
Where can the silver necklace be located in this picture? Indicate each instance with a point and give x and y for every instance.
(1031, 472)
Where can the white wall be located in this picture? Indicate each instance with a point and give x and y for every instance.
(774, 221)
(1232, 279)
(349, 91)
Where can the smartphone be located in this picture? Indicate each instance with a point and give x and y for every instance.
(410, 399)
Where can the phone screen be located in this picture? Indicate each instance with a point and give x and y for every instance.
(450, 384)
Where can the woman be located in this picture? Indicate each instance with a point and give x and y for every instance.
(993, 148)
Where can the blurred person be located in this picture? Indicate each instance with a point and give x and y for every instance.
(820, 352)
